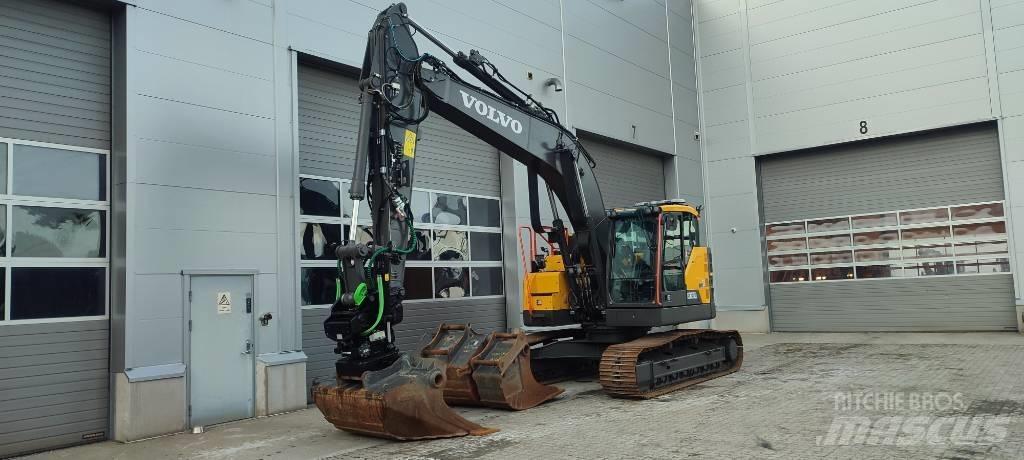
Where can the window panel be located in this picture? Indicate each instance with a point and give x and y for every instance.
(423, 244)
(3, 232)
(983, 266)
(979, 230)
(420, 206)
(792, 228)
(924, 216)
(487, 281)
(484, 212)
(58, 232)
(925, 233)
(875, 220)
(58, 173)
(788, 276)
(450, 245)
(927, 252)
(833, 241)
(877, 255)
(869, 238)
(787, 245)
(52, 292)
(995, 247)
(364, 234)
(449, 209)
(978, 211)
(928, 268)
(3, 293)
(418, 283)
(826, 258)
(319, 198)
(318, 286)
(314, 240)
(878, 271)
(485, 246)
(832, 273)
(451, 282)
(828, 225)
(787, 260)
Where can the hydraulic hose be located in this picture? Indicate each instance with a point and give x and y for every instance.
(380, 305)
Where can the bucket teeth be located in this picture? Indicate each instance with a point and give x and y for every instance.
(403, 401)
(493, 371)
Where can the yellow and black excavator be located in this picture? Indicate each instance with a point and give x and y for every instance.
(623, 277)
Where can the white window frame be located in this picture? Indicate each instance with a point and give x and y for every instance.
(897, 245)
(8, 263)
(364, 220)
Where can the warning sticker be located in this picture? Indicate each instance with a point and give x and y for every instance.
(409, 148)
(223, 303)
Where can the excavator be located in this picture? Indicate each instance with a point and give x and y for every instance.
(605, 297)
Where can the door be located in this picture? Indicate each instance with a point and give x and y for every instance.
(222, 349)
(626, 176)
(897, 234)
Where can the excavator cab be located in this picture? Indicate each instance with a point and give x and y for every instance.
(658, 271)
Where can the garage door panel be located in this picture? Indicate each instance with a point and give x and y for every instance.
(626, 176)
(935, 169)
(904, 173)
(448, 160)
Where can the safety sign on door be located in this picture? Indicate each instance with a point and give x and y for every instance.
(223, 303)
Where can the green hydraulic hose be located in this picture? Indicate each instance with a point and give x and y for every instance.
(380, 305)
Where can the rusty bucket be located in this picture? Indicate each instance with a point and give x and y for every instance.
(455, 345)
(493, 371)
(403, 401)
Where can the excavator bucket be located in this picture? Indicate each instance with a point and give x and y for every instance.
(493, 372)
(403, 401)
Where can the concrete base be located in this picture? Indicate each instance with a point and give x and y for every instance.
(742, 320)
(143, 409)
(280, 387)
(1020, 318)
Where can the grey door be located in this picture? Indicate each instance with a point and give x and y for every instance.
(898, 271)
(626, 176)
(222, 349)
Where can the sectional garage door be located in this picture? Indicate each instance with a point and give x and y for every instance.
(626, 176)
(456, 206)
(54, 103)
(899, 234)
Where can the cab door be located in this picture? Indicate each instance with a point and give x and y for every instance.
(680, 238)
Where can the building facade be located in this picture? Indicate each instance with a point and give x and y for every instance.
(173, 171)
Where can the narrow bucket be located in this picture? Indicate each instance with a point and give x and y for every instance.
(404, 402)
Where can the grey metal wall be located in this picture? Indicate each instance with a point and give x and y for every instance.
(626, 176)
(940, 168)
(949, 303)
(448, 159)
(53, 385)
(55, 86)
(55, 73)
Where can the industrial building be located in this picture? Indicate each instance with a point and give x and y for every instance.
(173, 172)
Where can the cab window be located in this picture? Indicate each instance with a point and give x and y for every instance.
(680, 237)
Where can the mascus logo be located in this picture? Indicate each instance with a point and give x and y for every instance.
(491, 113)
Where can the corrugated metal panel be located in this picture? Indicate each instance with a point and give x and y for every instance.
(626, 176)
(951, 166)
(950, 303)
(55, 73)
(421, 320)
(448, 158)
(940, 168)
(53, 385)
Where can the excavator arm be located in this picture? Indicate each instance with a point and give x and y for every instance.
(399, 88)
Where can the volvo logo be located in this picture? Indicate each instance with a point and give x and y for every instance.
(491, 113)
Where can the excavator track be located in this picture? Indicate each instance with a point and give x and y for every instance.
(661, 363)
